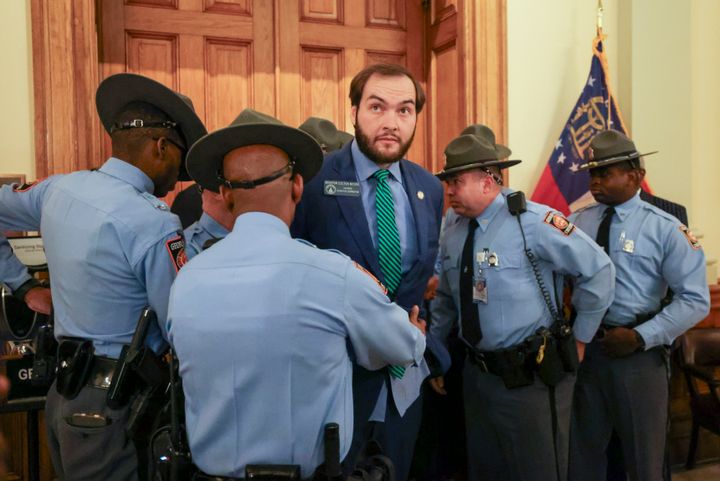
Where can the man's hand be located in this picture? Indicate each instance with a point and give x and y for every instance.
(438, 385)
(580, 350)
(619, 342)
(431, 288)
(39, 300)
(419, 323)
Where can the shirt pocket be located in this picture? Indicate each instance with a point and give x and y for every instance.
(512, 279)
(451, 268)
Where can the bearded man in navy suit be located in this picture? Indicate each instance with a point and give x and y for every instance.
(384, 212)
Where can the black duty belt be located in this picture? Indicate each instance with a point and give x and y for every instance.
(101, 372)
(495, 362)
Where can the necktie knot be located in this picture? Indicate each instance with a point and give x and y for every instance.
(381, 175)
(472, 225)
(603, 234)
(609, 211)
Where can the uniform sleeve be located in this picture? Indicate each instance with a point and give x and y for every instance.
(158, 269)
(572, 253)
(378, 329)
(443, 310)
(683, 268)
(20, 209)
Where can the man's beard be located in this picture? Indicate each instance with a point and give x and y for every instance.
(367, 147)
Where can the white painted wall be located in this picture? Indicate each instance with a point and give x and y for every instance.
(16, 111)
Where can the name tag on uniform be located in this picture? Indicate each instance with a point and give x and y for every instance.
(341, 187)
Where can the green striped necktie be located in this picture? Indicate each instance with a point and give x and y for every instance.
(388, 243)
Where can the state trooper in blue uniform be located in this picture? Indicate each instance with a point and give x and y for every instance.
(263, 324)
(112, 248)
(623, 382)
(518, 377)
(216, 220)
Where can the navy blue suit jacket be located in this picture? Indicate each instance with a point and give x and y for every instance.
(339, 222)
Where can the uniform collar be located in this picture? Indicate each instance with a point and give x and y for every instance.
(128, 173)
(262, 220)
(626, 208)
(212, 226)
(365, 167)
(490, 211)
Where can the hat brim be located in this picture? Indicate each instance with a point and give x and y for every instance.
(117, 91)
(612, 160)
(502, 164)
(206, 156)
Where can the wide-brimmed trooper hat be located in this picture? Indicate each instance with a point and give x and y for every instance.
(118, 91)
(610, 147)
(325, 133)
(205, 159)
(471, 152)
(485, 132)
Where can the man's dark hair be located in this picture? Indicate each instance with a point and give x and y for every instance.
(386, 70)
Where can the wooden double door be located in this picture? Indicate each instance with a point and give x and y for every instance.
(288, 58)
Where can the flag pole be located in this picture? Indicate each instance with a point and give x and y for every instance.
(599, 17)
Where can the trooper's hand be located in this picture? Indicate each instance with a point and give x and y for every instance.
(39, 299)
(580, 350)
(438, 385)
(619, 342)
(431, 287)
(415, 321)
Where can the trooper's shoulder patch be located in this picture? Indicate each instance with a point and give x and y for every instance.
(367, 272)
(559, 222)
(176, 249)
(694, 242)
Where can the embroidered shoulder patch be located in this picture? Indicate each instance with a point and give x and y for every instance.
(694, 242)
(559, 222)
(176, 249)
(377, 281)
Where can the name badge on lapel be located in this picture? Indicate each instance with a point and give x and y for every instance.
(342, 188)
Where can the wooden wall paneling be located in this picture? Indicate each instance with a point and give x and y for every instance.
(321, 83)
(484, 27)
(264, 58)
(154, 3)
(321, 11)
(386, 13)
(234, 7)
(416, 62)
(154, 55)
(65, 78)
(446, 109)
(287, 53)
(186, 22)
(229, 82)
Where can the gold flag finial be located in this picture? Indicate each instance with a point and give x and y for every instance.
(599, 17)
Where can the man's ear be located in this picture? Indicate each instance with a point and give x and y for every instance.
(298, 185)
(227, 197)
(353, 115)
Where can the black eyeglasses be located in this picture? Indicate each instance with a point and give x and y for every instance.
(497, 179)
(251, 184)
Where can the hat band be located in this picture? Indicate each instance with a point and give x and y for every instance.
(251, 184)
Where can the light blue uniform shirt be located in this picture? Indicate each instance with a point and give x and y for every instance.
(262, 324)
(108, 246)
(201, 231)
(364, 169)
(515, 307)
(650, 253)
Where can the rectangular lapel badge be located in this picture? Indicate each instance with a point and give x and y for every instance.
(341, 187)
